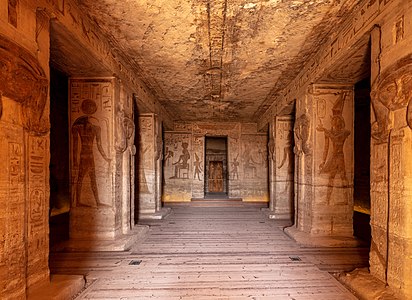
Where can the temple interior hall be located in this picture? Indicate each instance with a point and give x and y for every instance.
(206, 149)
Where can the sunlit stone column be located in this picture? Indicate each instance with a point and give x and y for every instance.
(324, 161)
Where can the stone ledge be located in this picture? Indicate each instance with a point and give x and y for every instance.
(121, 243)
(308, 240)
(159, 215)
(365, 286)
(60, 287)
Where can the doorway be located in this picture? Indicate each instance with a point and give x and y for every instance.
(216, 179)
(362, 201)
(59, 158)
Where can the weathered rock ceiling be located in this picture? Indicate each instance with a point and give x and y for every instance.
(217, 59)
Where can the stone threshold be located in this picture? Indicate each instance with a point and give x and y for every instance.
(159, 215)
(308, 240)
(60, 287)
(121, 243)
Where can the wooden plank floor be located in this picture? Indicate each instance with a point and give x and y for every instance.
(213, 253)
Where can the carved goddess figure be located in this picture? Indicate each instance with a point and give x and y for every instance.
(334, 164)
(182, 162)
(88, 132)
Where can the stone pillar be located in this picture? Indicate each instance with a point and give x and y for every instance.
(150, 167)
(96, 211)
(147, 164)
(24, 171)
(324, 161)
(125, 157)
(281, 166)
(159, 161)
(391, 177)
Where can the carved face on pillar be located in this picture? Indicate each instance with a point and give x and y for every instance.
(23, 80)
(391, 92)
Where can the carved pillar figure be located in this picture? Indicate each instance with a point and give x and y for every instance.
(281, 164)
(95, 209)
(324, 161)
(125, 155)
(24, 171)
(147, 164)
(391, 177)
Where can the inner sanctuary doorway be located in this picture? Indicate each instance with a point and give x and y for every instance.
(216, 179)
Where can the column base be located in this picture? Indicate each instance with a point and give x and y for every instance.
(309, 240)
(59, 287)
(276, 215)
(366, 286)
(120, 243)
(159, 215)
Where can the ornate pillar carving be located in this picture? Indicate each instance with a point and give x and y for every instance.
(324, 161)
(391, 176)
(24, 170)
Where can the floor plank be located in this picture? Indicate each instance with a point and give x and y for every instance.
(213, 253)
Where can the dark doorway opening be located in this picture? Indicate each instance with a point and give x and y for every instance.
(216, 179)
(59, 158)
(362, 202)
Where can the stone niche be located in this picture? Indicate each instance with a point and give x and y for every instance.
(24, 171)
(324, 162)
(102, 158)
(184, 160)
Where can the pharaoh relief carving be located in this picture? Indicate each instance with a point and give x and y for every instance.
(85, 131)
(333, 162)
(23, 80)
(392, 93)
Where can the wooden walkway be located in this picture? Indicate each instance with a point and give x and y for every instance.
(213, 253)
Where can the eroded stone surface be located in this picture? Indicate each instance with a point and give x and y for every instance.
(218, 59)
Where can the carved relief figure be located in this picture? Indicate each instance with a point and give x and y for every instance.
(168, 155)
(235, 164)
(249, 165)
(125, 130)
(182, 163)
(198, 167)
(334, 164)
(301, 132)
(215, 176)
(84, 128)
(392, 93)
(288, 158)
(23, 80)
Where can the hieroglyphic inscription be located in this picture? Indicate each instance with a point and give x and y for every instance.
(15, 205)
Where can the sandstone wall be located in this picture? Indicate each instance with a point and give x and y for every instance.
(24, 139)
(247, 160)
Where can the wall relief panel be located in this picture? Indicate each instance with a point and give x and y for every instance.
(91, 128)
